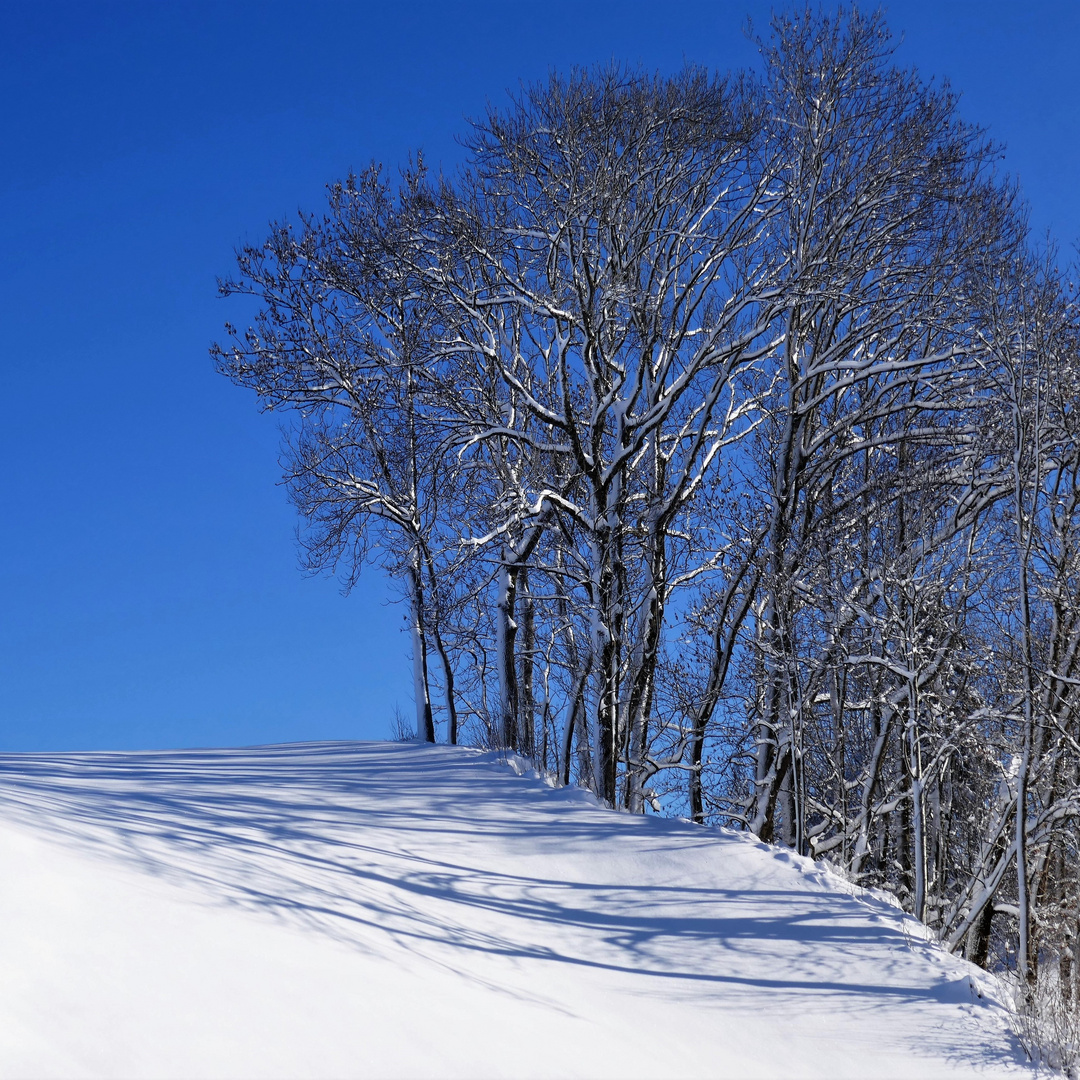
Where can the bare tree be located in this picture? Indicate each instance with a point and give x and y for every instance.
(722, 434)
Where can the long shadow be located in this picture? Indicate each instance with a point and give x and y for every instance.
(384, 846)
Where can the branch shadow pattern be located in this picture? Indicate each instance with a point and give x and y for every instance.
(374, 846)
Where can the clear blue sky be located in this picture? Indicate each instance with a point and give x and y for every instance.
(149, 590)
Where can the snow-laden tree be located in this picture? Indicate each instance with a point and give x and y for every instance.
(721, 434)
(613, 278)
(343, 340)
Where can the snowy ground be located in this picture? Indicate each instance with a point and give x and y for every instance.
(373, 909)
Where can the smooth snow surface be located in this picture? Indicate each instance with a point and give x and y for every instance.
(372, 909)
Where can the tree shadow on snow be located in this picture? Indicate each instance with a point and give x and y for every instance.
(443, 852)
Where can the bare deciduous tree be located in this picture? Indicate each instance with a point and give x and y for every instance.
(722, 435)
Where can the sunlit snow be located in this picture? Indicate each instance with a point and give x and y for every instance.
(375, 909)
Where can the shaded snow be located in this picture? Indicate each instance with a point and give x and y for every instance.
(374, 909)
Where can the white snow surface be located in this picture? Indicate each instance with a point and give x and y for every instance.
(396, 910)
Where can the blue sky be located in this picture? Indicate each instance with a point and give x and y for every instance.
(149, 590)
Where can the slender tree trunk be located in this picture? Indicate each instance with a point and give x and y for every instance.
(506, 634)
(917, 806)
(448, 680)
(440, 648)
(1024, 538)
(527, 703)
(606, 629)
(425, 725)
(577, 710)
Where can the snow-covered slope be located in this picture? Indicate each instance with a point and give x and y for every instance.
(334, 910)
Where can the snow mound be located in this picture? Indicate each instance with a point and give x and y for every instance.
(377, 909)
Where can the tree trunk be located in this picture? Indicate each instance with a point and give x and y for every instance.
(527, 702)
(425, 724)
(506, 629)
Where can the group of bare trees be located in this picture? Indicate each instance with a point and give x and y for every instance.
(722, 435)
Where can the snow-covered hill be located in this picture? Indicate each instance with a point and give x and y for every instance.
(333, 910)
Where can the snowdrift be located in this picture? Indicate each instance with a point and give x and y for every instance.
(389, 910)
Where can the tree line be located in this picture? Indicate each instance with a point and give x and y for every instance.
(721, 433)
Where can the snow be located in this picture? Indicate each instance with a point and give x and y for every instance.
(381, 909)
